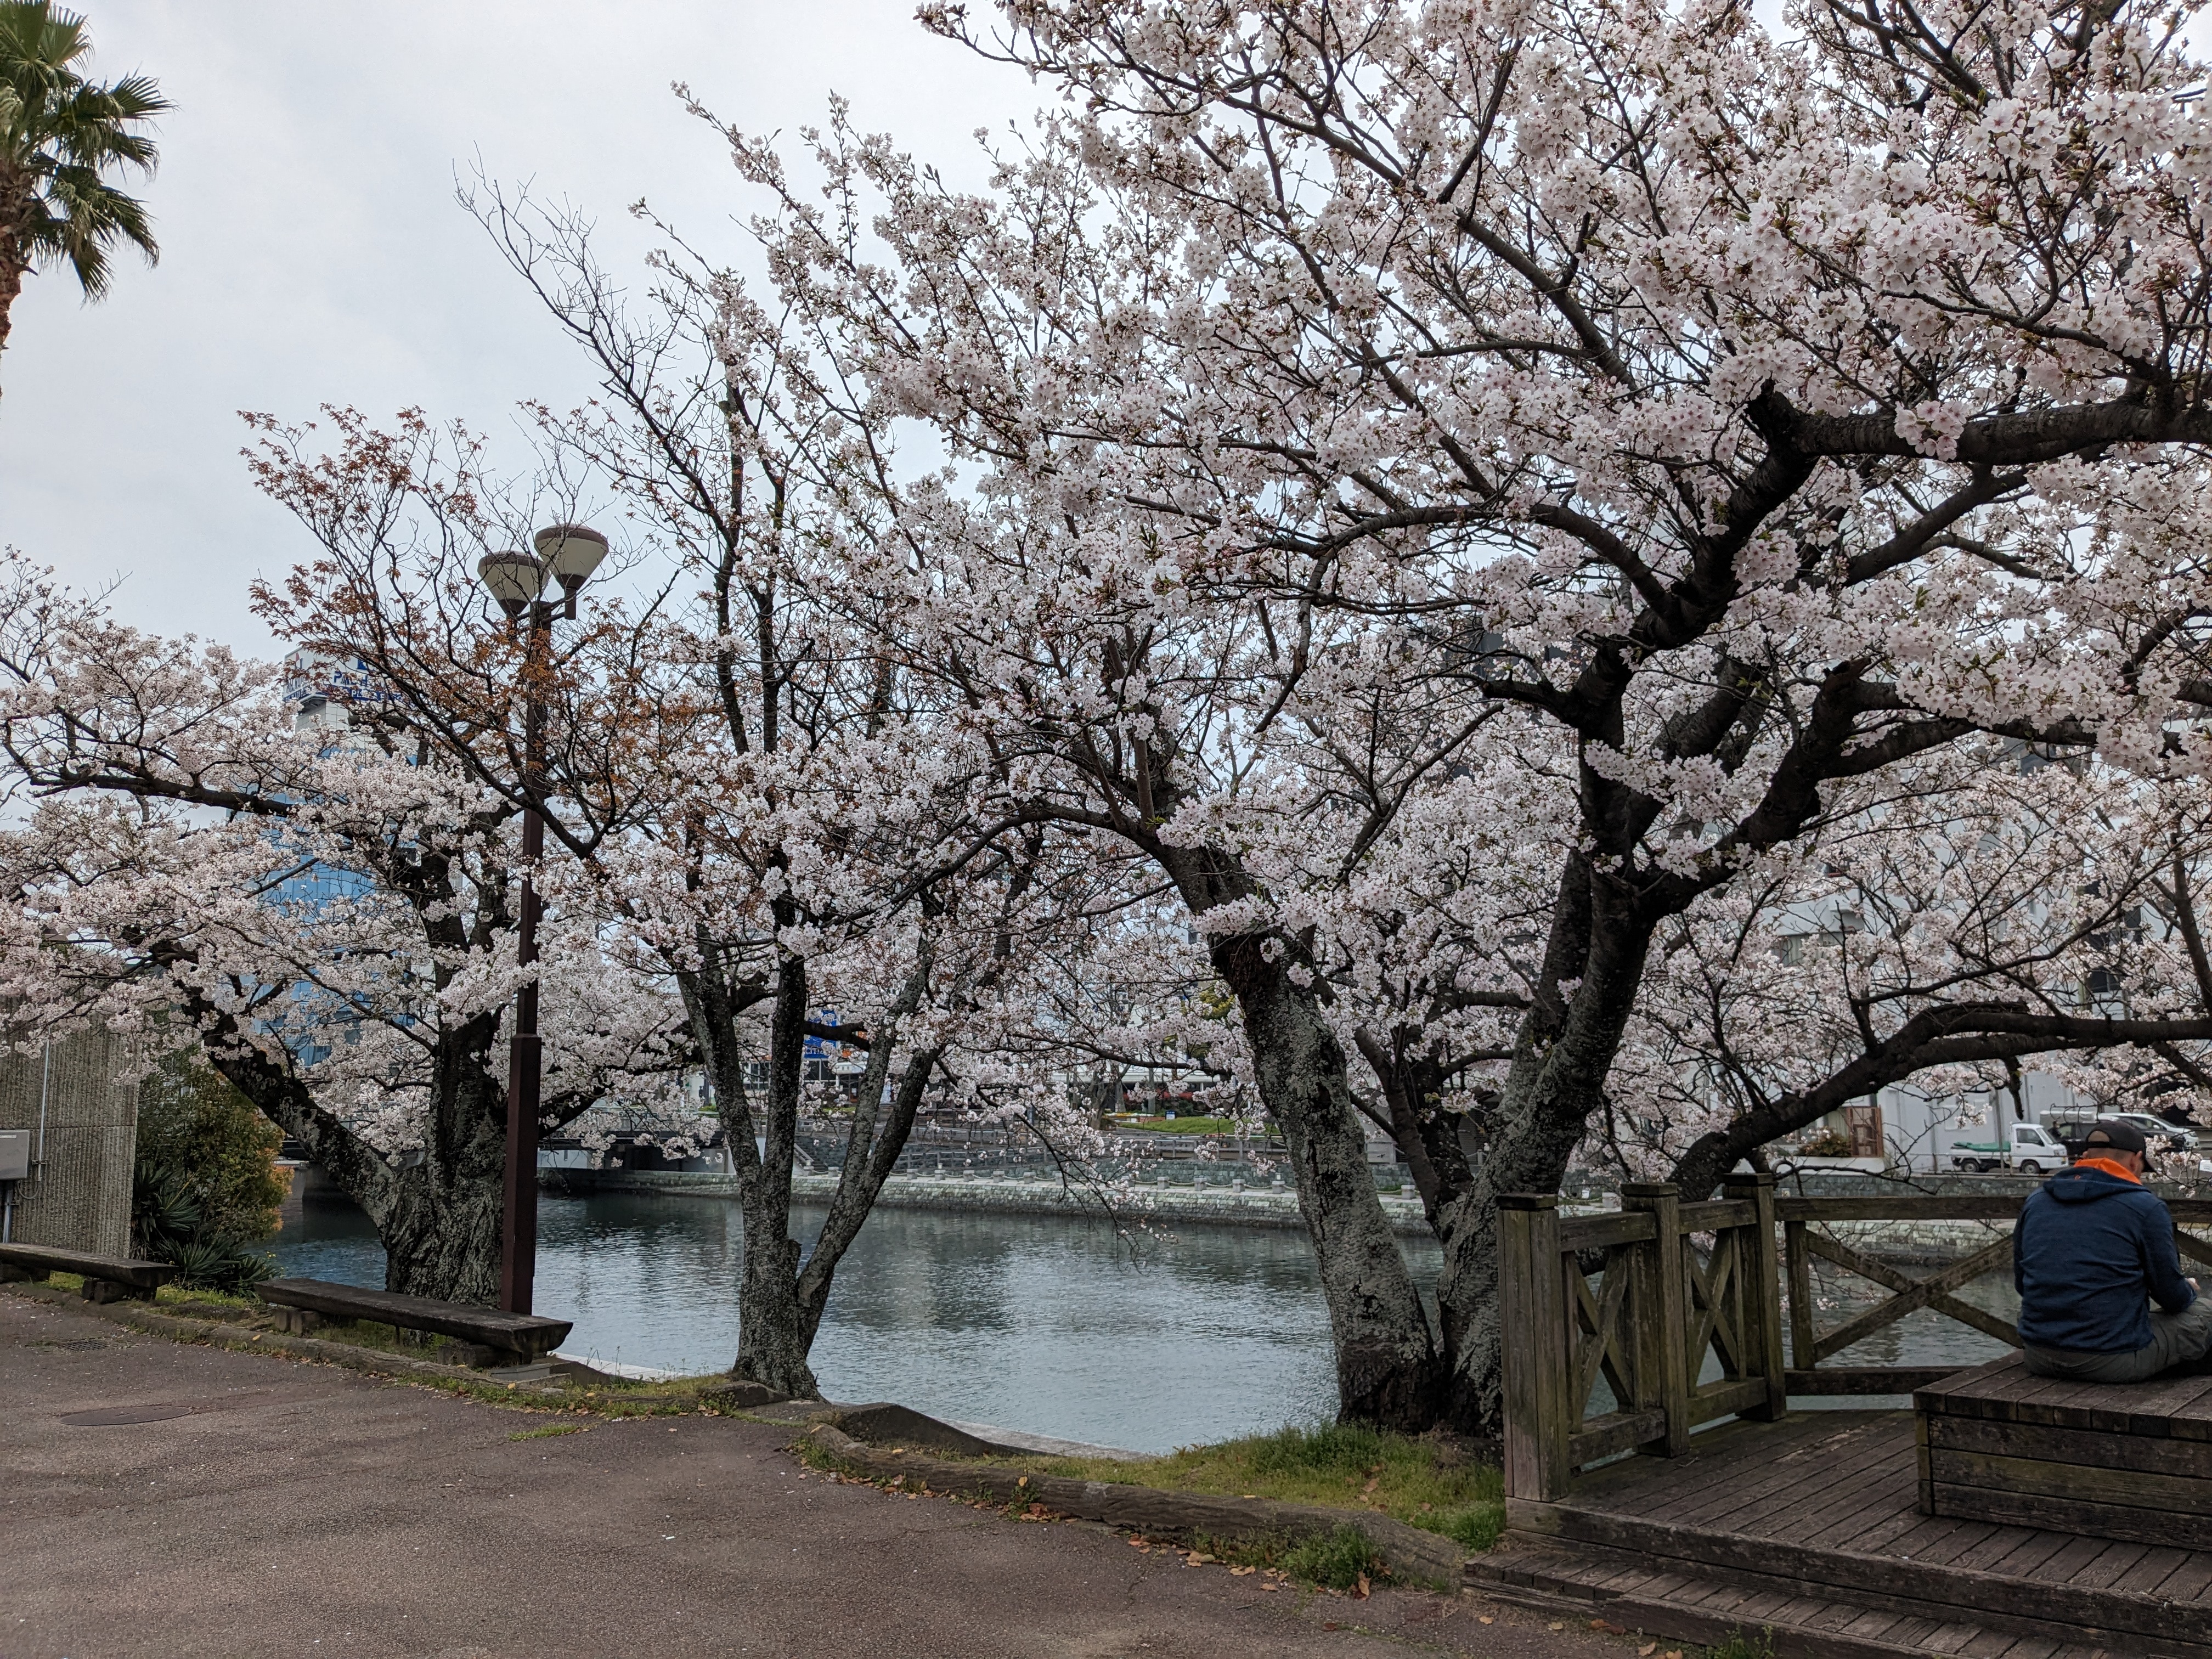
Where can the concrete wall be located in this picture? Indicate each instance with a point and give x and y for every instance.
(78, 1196)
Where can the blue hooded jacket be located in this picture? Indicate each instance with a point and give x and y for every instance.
(2088, 1249)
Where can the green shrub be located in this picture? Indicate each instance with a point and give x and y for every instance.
(206, 1184)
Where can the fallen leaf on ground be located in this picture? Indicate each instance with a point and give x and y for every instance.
(1270, 1588)
(1647, 1650)
(1559, 1626)
(1239, 1572)
(1485, 1618)
(1362, 1590)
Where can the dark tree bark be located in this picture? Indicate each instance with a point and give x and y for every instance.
(438, 1219)
(1387, 1369)
(772, 1334)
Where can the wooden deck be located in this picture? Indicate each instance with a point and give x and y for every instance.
(1810, 1526)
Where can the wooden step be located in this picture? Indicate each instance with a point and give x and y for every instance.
(2125, 1623)
(1676, 1600)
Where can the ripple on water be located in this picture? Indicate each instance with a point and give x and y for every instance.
(1033, 1321)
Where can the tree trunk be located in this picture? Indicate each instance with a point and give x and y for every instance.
(438, 1221)
(1388, 1371)
(11, 285)
(14, 201)
(883, 1118)
(1563, 1055)
(442, 1231)
(773, 1334)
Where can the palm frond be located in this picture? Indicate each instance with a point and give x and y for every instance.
(60, 135)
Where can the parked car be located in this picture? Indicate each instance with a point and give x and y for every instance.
(2073, 1130)
(2027, 1147)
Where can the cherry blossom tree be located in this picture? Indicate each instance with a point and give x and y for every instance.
(1710, 419)
(328, 910)
(763, 816)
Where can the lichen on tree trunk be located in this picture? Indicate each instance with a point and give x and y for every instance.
(1388, 1369)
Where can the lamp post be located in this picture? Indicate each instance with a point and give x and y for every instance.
(566, 554)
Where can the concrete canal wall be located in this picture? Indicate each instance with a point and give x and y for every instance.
(1225, 1204)
(1228, 1201)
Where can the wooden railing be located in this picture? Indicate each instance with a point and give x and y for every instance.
(1634, 1298)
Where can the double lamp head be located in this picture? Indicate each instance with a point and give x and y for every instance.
(566, 553)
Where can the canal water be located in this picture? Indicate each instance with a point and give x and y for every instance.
(1048, 1324)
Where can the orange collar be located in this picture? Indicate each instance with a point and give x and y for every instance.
(2109, 1167)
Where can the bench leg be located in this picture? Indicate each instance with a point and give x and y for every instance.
(107, 1290)
(296, 1321)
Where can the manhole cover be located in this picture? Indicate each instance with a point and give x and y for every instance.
(109, 1416)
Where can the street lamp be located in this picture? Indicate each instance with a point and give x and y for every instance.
(567, 556)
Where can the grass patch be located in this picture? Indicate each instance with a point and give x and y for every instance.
(1425, 1483)
(1741, 1644)
(549, 1431)
(1338, 1560)
(1335, 1560)
(213, 1303)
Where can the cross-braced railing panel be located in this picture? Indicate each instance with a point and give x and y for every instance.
(1637, 1299)
(1597, 1334)
(1677, 1284)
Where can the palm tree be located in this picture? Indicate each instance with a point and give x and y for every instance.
(58, 134)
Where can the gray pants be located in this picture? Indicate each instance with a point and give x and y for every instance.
(2175, 1340)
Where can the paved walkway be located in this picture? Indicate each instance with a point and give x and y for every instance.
(303, 1510)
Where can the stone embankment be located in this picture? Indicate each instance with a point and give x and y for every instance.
(1012, 1191)
(995, 1193)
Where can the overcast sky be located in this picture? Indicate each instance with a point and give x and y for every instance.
(311, 251)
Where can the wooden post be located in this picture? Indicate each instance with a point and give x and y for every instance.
(1661, 1294)
(1801, 1294)
(1760, 1267)
(1927, 1504)
(1533, 1343)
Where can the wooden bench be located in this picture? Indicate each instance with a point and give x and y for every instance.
(491, 1337)
(107, 1277)
(2130, 1462)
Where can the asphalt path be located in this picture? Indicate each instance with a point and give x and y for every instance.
(160, 1498)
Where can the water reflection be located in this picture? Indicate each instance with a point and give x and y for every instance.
(1033, 1321)
(1037, 1322)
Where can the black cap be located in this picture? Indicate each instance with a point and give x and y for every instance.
(2119, 1137)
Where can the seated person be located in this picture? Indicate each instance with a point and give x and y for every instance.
(2093, 1250)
